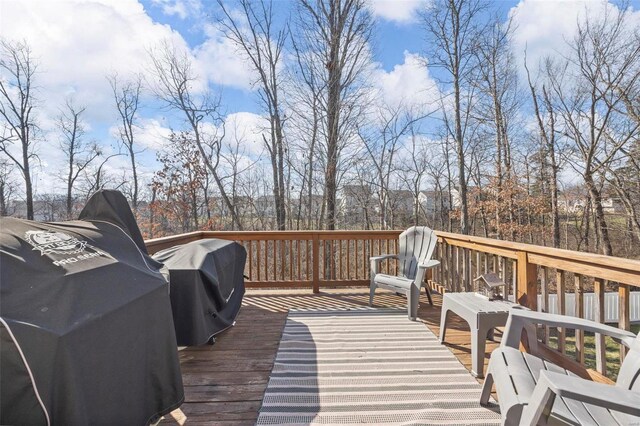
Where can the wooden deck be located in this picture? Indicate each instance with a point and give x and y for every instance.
(224, 383)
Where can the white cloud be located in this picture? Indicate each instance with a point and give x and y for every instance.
(544, 27)
(221, 62)
(400, 11)
(77, 43)
(246, 129)
(180, 8)
(151, 133)
(409, 84)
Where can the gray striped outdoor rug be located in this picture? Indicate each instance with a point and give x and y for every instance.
(368, 367)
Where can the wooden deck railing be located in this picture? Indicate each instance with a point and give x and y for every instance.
(315, 259)
(302, 259)
(530, 271)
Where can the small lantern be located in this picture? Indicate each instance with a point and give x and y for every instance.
(490, 286)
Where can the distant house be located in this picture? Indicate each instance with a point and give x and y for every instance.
(613, 205)
(433, 201)
(576, 205)
(46, 208)
(456, 199)
(265, 206)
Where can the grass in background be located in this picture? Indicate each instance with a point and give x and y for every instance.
(612, 349)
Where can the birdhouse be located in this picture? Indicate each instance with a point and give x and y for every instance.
(490, 286)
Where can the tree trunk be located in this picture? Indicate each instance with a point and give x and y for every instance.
(600, 221)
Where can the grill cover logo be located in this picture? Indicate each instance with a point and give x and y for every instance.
(49, 242)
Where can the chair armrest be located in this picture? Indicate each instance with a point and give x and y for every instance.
(374, 262)
(383, 257)
(551, 385)
(429, 264)
(520, 319)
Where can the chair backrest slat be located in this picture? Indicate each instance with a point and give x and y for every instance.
(416, 245)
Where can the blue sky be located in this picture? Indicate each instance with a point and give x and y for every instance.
(77, 43)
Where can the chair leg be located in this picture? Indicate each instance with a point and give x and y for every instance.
(486, 387)
(413, 300)
(428, 291)
(372, 291)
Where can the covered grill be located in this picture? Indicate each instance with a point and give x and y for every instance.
(86, 326)
(207, 286)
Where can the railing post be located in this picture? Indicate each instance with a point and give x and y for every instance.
(527, 283)
(315, 274)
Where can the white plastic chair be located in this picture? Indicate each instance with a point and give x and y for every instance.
(536, 392)
(416, 248)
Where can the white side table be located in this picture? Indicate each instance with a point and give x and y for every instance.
(482, 315)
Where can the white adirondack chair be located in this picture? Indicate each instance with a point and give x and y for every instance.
(416, 247)
(536, 392)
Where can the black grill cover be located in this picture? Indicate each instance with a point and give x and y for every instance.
(86, 330)
(207, 286)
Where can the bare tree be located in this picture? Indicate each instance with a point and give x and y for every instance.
(453, 28)
(497, 108)
(381, 141)
(174, 83)
(8, 188)
(17, 75)
(78, 154)
(304, 97)
(262, 44)
(546, 118)
(237, 162)
(126, 95)
(336, 34)
(96, 177)
(604, 62)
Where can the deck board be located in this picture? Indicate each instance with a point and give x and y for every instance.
(224, 383)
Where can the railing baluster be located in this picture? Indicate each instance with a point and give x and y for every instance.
(579, 310)
(454, 269)
(486, 263)
(467, 269)
(315, 245)
(299, 261)
(258, 254)
(457, 265)
(283, 258)
(514, 276)
(364, 260)
(599, 286)
(355, 258)
(544, 286)
(340, 274)
(348, 259)
(308, 254)
(560, 289)
(445, 265)
(496, 268)
(439, 268)
(332, 261)
(250, 255)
